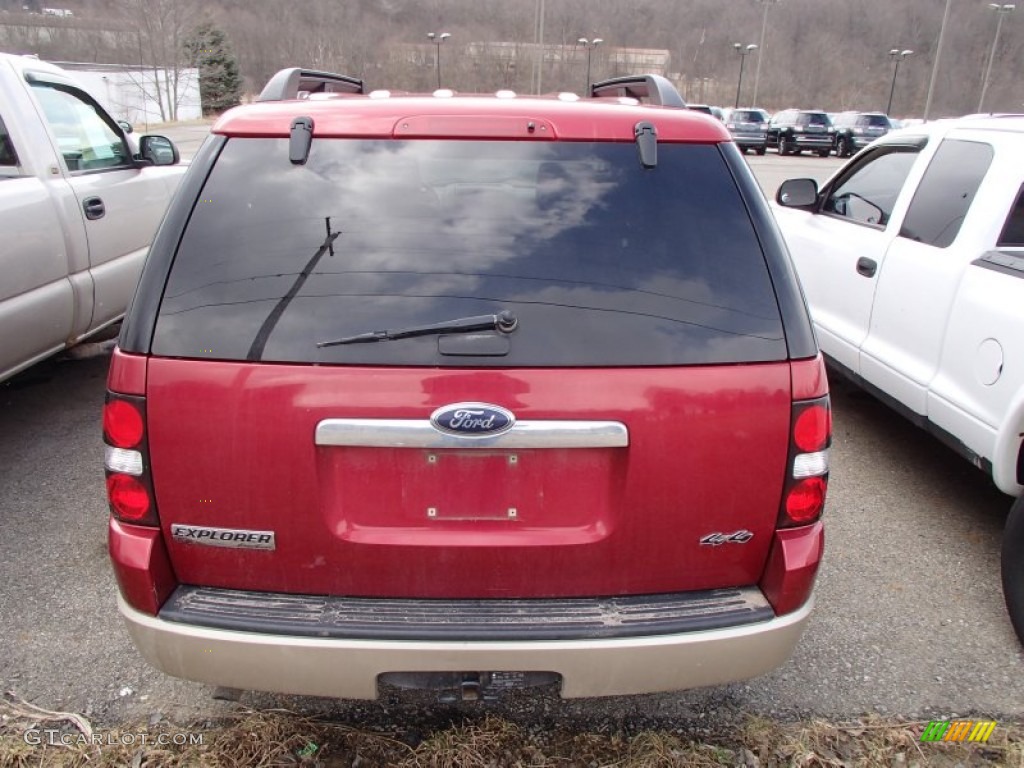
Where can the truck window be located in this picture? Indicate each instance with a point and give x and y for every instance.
(8, 158)
(1012, 235)
(85, 134)
(946, 192)
(868, 192)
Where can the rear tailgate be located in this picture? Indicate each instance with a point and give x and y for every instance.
(706, 454)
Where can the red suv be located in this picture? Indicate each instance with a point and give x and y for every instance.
(437, 390)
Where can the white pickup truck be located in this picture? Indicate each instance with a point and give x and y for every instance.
(912, 260)
(78, 210)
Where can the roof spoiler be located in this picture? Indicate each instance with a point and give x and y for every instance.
(288, 83)
(654, 88)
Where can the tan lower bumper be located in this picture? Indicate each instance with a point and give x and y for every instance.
(349, 668)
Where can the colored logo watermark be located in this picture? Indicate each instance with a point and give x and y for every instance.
(958, 730)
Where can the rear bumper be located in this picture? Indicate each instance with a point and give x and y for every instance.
(750, 139)
(805, 141)
(347, 668)
(859, 142)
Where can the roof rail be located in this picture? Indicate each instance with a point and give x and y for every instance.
(655, 88)
(287, 84)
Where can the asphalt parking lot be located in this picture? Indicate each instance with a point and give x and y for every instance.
(909, 617)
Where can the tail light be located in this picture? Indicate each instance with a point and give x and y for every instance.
(137, 552)
(126, 460)
(792, 565)
(803, 497)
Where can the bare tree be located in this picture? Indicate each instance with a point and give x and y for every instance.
(156, 31)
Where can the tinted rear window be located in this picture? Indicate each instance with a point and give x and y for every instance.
(874, 121)
(946, 192)
(603, 262)
(813, 118)
(1013, 230)
(741, 116)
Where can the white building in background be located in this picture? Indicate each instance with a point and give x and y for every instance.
(640, 60)
(647, 60)
(132, 94)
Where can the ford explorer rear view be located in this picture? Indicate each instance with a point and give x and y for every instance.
(434, 390)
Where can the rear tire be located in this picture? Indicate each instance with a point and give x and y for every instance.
(784, 146)
(761, 150)
(844, 149)
(1013, 567)
(824, 152)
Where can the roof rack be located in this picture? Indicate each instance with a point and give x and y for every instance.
(655, 88)
(288, 83)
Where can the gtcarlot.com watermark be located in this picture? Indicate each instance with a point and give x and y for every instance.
(53, 737)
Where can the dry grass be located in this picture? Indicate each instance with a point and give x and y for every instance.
(282, 738)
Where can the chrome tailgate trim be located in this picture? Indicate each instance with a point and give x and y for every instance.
(419, 433)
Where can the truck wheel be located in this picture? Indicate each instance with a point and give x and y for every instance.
(1013, 566)
(761, 150)
(784, 146)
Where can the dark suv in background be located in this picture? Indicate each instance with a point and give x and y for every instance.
(749, 128)
(467, 391)
(792, 131)
(855, 130)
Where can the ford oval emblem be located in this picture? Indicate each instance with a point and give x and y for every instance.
(472, 419)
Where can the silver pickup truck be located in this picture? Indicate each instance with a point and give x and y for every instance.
(79, 206)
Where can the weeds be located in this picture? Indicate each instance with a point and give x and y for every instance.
(30, 736)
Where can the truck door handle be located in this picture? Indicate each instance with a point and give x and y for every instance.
(94, 208)
(866, 266)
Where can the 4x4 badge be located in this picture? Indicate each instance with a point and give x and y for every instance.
(472, 419)
(740, 537)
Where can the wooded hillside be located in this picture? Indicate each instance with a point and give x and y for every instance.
(832, 54)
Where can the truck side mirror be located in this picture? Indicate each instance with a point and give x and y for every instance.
(159, 150)
(797, 193)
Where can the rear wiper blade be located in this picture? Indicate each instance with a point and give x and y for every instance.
(505, 321)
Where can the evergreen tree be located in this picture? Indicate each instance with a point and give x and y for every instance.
(220, 83)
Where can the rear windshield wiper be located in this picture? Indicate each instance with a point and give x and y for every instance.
(504, 321)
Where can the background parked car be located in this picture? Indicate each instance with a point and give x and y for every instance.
(855, 130)
(749, 128)
(791, 131)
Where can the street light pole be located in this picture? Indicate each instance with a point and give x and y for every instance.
(437, 40)
(743, 51)
(935, 61)
(897, 56)
(1001, 10)
(538, 36)
(764, 28)
(590, 45)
